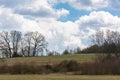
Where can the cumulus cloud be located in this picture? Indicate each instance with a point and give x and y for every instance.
(61, 34)
(34, 8)
(8, 20)
(58, 34)
(88, 4)
(99, 19)
(45, 7)
(95, 21)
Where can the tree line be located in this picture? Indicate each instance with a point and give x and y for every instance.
(105, 42)
(16, 43)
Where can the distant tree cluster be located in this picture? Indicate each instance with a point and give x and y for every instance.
(103, 42)
(107, 42)
(15, 44)
(76, 50)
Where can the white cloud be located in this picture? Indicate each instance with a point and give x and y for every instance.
(42, 9)
(61, 34)
(89, 4)
(38, 8)
(58, 34)
(45, 7)
(8, 20)
(34, 8)
(99, 19)
(62, 12)
(95, 21)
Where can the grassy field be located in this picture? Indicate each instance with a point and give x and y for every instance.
(54, 60)
(57, 77)
(50, 59)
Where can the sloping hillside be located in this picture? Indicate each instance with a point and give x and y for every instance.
(49, 59)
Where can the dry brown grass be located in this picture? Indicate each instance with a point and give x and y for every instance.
(58, 77)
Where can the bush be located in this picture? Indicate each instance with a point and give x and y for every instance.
(66, 66)
(46, 69)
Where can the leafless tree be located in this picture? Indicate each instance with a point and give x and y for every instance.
(16, 38)
(108, 42)
(5, 43)
(98, 38)
(28, 40)
(14, 43)
(38, 42)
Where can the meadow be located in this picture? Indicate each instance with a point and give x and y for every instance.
(43, 60)
(52, 60)
(58, 77)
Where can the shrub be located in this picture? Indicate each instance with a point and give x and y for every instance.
(108, 66)
(46, 69)
(66, 66)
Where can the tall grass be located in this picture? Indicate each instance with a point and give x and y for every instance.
(110, 66)
(97, 67)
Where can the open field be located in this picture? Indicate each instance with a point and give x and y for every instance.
(57, 64)
(58, 77)
(50, 59)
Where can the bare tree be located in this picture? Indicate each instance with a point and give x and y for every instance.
(28, 40)
(98, 38)
(5, 43)
(16, 38)
(38, 42)
(23, 47)
(13, 44)
(108, 42)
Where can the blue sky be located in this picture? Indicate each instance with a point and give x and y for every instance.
(74, 13)
(64, 23)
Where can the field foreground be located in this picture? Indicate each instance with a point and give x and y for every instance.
(58, 77)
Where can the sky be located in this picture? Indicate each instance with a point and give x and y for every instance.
(64, 23)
